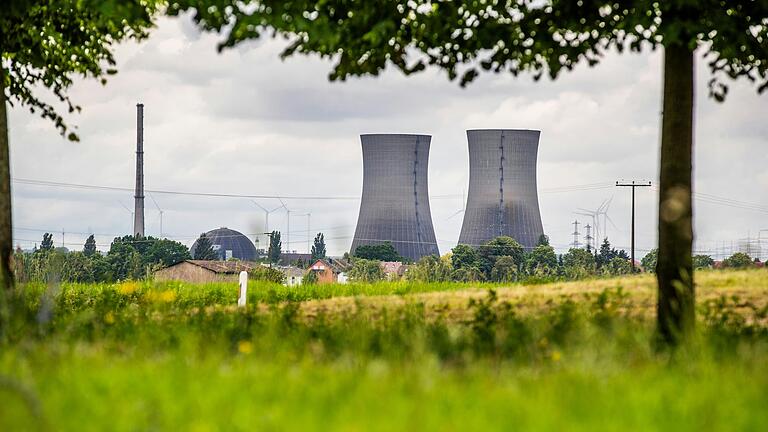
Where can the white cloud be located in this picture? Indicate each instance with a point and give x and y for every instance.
(243, 121)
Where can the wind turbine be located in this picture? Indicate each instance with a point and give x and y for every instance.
(266, 217)
(309, 232)
(266, 214)
(127, 209)
(161, 214)
(606, 219)
(288, 228)
(463, 206)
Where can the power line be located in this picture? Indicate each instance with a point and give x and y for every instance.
(47, 183)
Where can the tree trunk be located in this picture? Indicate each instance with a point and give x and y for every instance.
(675, 310)
(6, 233)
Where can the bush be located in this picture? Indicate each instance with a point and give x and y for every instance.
(266, 274)
(430, 269)
(364, 270)
(738, 260)
(380, 252)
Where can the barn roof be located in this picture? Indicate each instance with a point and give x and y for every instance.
(226, 267)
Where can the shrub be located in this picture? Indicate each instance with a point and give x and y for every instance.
(364, 270)
(738, 260)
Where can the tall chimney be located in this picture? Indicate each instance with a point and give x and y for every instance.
(138, 214)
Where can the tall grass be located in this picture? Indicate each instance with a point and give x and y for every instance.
(161, 357)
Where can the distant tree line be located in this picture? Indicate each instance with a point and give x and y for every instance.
(128, 257)
(503, 259)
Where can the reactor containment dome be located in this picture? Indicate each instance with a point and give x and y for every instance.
(502, 199)
(395, 201)
(228, 244)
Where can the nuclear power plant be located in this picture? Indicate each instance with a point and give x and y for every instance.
(502, 200)
(395, 199)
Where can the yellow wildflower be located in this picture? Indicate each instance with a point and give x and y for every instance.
(245, 347)
(127, 288)
(167, 296)
(556, 355)
(109, 318)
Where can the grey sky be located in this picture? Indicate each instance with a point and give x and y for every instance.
(246, 122)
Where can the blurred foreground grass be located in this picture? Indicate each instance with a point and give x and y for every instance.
(563, 356)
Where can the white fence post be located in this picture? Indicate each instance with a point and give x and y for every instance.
(243, 288)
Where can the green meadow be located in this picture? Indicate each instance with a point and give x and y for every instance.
(388, 356)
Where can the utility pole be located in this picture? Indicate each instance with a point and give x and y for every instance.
(633, 185)
(576, 243)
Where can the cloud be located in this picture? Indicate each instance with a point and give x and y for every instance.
(244, 121)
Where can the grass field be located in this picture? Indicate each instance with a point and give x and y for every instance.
(390, 356)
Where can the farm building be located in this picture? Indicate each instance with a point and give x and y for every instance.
(330, 270)
(198, 271)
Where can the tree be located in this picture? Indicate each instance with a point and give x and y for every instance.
(365, 270)
(543, 240)
(430, 269)
(47, 244)
(44, 44)
(164, 252)
(124, 260)
(542, 261)
(502, 246)
(649, 260)
(505, 269)
(77, 268)
(275, 246)
(381, 252)
(703, 262)
(738, 260)
(464, 256)
(318, 247)
(465, 37)
(90, 246)
(466, 264)
(204, 249)
(578, 263)
(607, 254)
(617, 266)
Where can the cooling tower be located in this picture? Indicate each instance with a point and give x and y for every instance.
(502, 187)
(395, 201)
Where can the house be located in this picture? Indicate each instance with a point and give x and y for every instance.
(200, 271)
(330, 270)
(393, 270)
(292, 258)
(293, 275)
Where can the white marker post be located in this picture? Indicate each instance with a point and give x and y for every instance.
(243, 288)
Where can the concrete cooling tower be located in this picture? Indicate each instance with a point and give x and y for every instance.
(502, 196)
(395, 201)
